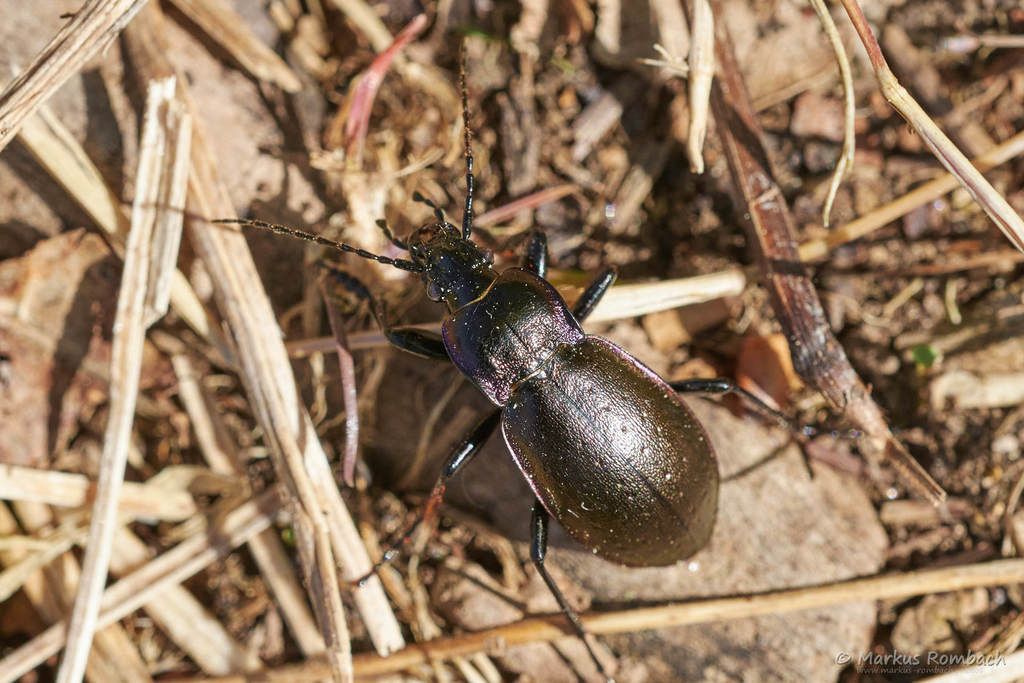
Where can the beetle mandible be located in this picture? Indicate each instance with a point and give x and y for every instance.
(607, 446)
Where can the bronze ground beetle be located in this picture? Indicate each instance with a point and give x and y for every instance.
(607, 446)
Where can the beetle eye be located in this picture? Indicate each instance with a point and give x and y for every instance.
(434, 292)
(489, 256)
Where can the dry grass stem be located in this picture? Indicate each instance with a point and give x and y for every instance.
(92, 28)
(845, 162)
(51, 591)
(545, 629)
(994, 204)
(160, 189)
(125, 366)
(316, 504)
(272, 390)
(366, 21)
(57, 151)
(19, 570)
(231, 32)
(266, 548)
(627, 301)
(150, 501)
(136, 589)
(812, 250)
(702, 71)
(970, 390)
(621, 301)
(182, 617)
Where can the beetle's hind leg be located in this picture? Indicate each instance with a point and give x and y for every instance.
(414, 340)
(725, 386)
(538, 551)
(459, 458)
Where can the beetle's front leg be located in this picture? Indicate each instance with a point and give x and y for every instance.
(411, 339)
(538, 551)
(536, 259)
(587, 302)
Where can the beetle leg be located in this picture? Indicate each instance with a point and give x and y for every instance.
(459, 458)
(538, 551)
(725, 386)
(411, 339)
(585, 305)
(536, 260)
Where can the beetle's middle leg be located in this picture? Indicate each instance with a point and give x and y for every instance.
(538, 551)
(412, 339)
(536, 261)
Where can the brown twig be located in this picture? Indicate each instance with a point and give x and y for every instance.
(350, 397)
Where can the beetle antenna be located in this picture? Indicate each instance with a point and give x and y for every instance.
(401, 264)
(438, 213)
(382, 224)
(467, 214)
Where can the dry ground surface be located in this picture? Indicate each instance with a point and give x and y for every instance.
(927, 308)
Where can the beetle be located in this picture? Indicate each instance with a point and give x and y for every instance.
(608, 447)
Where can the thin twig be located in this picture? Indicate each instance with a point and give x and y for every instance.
(898, 586)
(994, 204)
(91, 29)
(169, 569)
(845, 162)
(812, 250)
(232, 33)
(531, 201)
(150, 501)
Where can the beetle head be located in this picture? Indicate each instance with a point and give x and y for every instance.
(454, 269)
